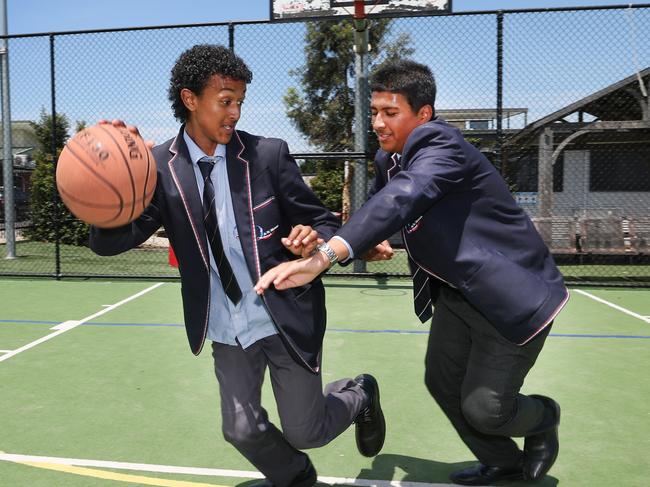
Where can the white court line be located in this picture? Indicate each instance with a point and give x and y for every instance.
(215, 472)
(69, 325)
(66, 325)
(612, 305)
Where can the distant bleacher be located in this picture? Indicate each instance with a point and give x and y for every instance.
(595, 234)
(640, 234)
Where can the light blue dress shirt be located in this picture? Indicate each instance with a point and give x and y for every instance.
(248, 321)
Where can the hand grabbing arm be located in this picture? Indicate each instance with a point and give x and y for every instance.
(302, 240)
(382, 251)
(300, 272)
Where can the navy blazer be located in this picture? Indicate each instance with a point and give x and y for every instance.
(269, 197)
(461, 224)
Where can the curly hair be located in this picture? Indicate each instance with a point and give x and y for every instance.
(196, 66)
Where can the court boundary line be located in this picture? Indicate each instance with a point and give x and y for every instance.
(200, 471)
(71, 324)
(115, 476)
(612, 305)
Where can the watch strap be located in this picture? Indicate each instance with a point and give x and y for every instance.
(329, 252)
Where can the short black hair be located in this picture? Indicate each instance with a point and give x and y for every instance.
(196, 66)
(413, 80)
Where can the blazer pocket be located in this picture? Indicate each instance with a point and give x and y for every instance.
(504, 291)
(266, 202)
(268, 223)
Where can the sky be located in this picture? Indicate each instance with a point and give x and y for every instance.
(31, 16)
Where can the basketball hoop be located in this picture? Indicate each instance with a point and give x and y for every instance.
(313, 9)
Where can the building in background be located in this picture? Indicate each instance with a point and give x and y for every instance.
(583, 172)
(24, 143)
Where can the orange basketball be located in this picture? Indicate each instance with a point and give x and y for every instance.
(106, 175)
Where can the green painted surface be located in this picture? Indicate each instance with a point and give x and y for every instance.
(136, 393)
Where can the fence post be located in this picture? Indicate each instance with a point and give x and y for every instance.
(545, 184)
(8, 159)
(499, 142)
(55, 196)
(231, 36)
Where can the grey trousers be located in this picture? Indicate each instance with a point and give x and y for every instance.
(309, 417)
(475, 374)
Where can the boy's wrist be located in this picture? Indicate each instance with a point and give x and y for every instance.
(326, 254)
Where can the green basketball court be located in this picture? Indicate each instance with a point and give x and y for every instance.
(98, 388)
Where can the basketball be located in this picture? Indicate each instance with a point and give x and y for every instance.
(106, 175)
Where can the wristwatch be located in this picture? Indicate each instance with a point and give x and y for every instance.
(329, 252)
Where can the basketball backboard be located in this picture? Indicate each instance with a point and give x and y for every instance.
(294, 9)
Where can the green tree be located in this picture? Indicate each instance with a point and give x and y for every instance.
(43, 131)
(45, 208)
(323, 107)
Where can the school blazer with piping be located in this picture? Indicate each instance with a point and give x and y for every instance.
(269, 197)
(461, 224)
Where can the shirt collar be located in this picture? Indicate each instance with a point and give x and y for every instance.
(196, 153)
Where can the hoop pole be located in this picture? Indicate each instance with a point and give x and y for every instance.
(361, 111)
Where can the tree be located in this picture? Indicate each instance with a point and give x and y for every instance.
(45, 208)
(43, 130)
(323, 108)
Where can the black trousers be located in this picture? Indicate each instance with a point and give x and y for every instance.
(475, 375)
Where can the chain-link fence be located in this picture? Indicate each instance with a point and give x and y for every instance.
(557, 99)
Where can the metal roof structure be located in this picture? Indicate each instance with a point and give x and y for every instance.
(627, 102)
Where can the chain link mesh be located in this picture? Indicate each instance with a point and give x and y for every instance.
(570, 130)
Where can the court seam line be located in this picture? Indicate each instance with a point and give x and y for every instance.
(612, 305)
(202, 471)
(71, 324)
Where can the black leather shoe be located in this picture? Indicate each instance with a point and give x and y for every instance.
(541, 449)
(306, 478)
(484, 475)
(370, 427)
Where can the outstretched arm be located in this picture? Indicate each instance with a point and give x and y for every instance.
(302, 271)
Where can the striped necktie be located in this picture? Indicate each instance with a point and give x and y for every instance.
(228, 280)
(421, 290)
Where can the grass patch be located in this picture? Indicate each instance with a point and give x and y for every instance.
(40, 258)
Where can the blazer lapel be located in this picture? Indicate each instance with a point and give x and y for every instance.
(239, 176)
(393, 167)
(182, 172)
